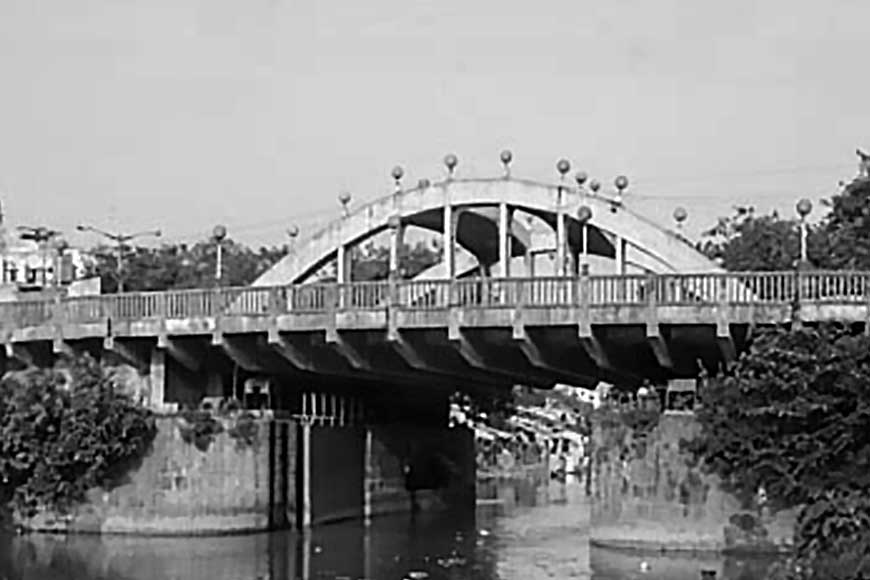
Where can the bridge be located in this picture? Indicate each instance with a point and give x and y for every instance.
(539, 284)
(621, 300)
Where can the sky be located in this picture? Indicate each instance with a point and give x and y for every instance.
(182, 114)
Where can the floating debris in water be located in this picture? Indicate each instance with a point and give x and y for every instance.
(644, 566)
(483, 533)
(452, 561)
(418, 575)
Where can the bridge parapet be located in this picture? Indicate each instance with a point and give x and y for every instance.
(743, 288)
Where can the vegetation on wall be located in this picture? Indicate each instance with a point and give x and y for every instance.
(63, 432)
(199, 428)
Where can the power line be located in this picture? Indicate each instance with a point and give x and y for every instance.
(325, 215)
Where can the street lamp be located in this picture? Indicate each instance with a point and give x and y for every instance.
(219, 233)
(42, 236)
(804, 207)
(584, 215)
(120, 241)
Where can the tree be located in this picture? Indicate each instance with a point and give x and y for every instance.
(747, 241)
(372, 262)
(841, 240)
(177, 266)
(63, 433)
(790, 417)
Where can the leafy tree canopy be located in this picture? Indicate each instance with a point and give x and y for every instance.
(63, 433)
(790, 416)
(184, 266)
(841, 239)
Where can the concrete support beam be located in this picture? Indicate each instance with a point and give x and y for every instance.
(406, 351)
(726, 343)
(290, 352)
(595, 350)
(342, 265)
(468, 351)
(505, 236)
(397, 235)
(659, 346)
(561, 240)
(179, 352)
(619, 245)
(347, 351)
(304, 502)
(138, 358)
(240, 351)
(448, 239)
(22, 352)
(536, 358)
(157, 379)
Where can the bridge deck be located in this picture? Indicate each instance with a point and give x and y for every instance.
(684, 299)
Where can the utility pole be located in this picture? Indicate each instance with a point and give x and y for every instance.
(120, 240)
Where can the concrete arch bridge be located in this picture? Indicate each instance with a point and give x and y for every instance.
(622, 300)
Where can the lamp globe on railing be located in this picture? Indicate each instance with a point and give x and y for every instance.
(450, 162)
(344, 200)
(397, 174)
(293, 233)
(584, 214)
(219, 233)
(506, 157)
(581, 177)
(621, 183)
(594, 185)
(680, 215)
(423, 183)
(804, 207)
(563, 166)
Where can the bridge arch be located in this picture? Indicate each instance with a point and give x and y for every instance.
(647, 245)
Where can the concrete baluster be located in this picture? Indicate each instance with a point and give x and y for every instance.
(448, 239)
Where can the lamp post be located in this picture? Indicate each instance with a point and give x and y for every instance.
(219, 234)
(584, 216)
(803, 207)
(120, 241)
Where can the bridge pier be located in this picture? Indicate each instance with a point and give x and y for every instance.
(648, 494)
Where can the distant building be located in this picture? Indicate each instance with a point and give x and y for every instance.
(27, 266)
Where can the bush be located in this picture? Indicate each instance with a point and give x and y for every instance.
(63, 432)
(199, 428)
(790, 417)
(245, 431)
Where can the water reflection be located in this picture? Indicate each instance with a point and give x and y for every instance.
(533, 528)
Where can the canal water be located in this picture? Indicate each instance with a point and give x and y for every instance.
(520, 530)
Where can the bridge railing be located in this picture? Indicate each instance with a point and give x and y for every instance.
(734, 288)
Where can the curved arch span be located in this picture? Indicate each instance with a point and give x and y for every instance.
(658, 249)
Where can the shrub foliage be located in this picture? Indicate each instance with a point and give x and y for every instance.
(791, 416)
(63, 432)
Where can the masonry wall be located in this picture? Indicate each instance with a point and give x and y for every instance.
(179, 489)
(649, 494)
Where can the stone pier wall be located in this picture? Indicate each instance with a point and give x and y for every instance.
(232, 486)
(647, 493)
